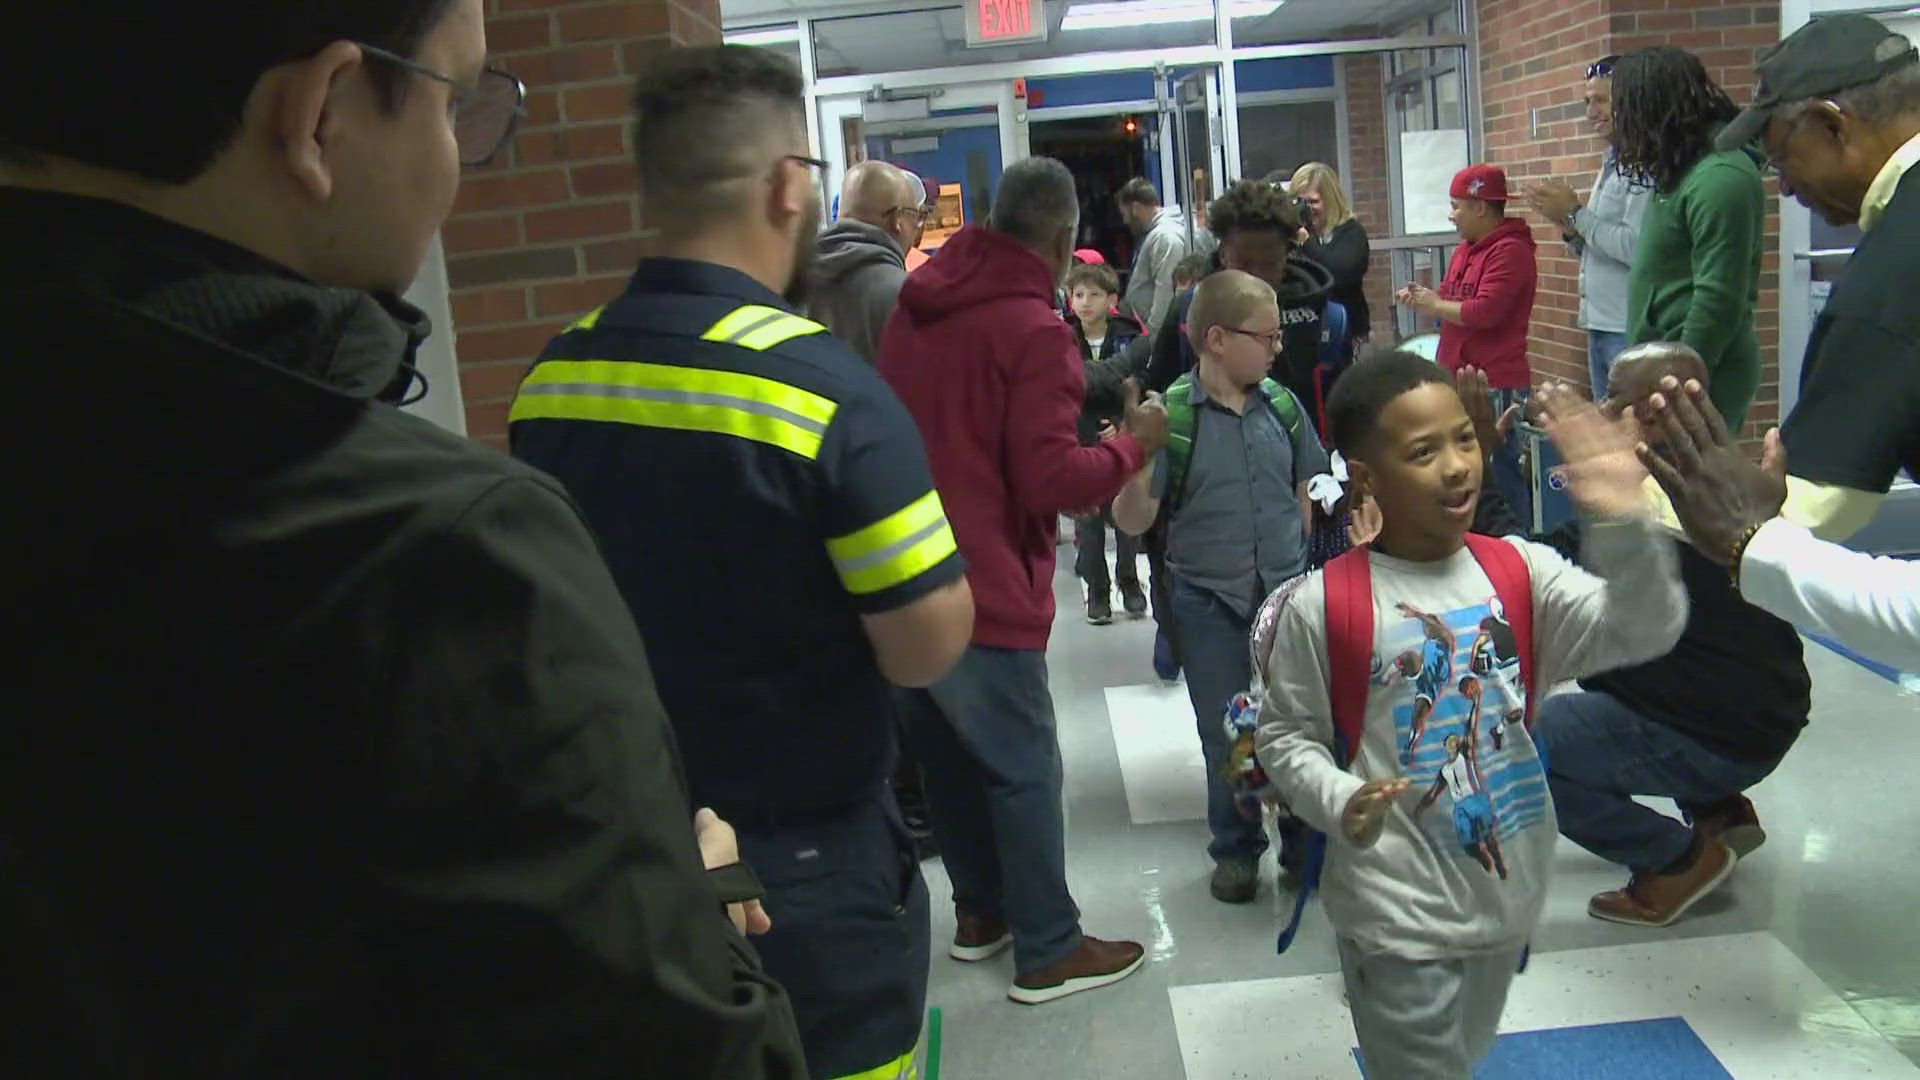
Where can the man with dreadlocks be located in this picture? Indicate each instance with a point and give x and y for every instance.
(1696, 271)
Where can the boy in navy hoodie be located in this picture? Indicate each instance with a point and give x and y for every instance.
(1107, 356)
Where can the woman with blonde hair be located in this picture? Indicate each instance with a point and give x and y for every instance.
(1336, 240)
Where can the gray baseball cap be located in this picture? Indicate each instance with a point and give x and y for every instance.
(1822, 58)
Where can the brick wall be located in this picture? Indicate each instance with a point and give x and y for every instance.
(1368, 183)
(551, 230)
(1533, 55)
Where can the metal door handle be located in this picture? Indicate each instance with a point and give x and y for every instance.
(1822, 254)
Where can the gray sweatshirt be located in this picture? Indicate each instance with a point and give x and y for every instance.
(1463, 863)
(1150, 288)
(857, 279)
(1604, 235)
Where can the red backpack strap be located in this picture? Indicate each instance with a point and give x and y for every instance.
(1349, 585)
(1513, 584)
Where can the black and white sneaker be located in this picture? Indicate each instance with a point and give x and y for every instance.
(1100, 609)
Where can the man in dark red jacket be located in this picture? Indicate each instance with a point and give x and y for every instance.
(979, 355)
(1484, 304)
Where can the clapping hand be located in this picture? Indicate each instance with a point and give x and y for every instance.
(1475, 393)
(1605, 476)
(1364, 520)
(1553, 200)
(1146, 418)
(1718, 494)
(1419, 298)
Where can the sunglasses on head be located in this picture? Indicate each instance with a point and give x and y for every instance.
(1602, 68)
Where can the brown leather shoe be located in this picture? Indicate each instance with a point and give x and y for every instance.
(1094, 964)
(977, 939)
(1735, 823)
(1658, 899)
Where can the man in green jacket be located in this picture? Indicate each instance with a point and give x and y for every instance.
(1696, 272)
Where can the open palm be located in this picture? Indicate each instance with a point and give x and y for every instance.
(1604, 476)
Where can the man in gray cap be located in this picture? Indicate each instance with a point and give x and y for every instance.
(1839, 108)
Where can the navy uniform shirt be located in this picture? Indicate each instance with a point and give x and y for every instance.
(755, 488)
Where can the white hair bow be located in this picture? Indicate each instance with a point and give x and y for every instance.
(1327, 488)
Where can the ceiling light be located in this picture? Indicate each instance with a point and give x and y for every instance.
(779, 35)
(1117, 14)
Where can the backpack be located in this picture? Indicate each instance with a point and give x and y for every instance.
(1183, 421)
(1349, 618)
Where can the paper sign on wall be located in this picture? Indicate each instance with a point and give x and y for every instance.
(1428, 160)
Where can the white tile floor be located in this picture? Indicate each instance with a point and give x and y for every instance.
(1806, 965)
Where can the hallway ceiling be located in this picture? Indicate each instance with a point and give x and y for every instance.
(914, 35)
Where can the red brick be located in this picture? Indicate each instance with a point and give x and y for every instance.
(487, 422)
(555, 67)
(614, 255)
(509, 190)
(612, 22)
(693, 27)
(543, 108)
(591, 221)
(605, 101)
(636, 56)
(612, 178)
(574, 142)
(510, 34)
(526, 5)
(488, 307)
(575, 298)
(468, 233)
(521, 343)
(497, 381)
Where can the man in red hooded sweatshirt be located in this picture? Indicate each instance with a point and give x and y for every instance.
(1483, 306)
(980, 357)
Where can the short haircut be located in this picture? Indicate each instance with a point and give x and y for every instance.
(158, 91)
(1228, 299)
(1140, 191)
(1253, 206)
(1192, 268)
(1374, 382)
(1093, 276)
(1891, 97)
(1319, 176)
(1035, 202)
(706, 116)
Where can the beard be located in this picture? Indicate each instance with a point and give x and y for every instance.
(806, 253)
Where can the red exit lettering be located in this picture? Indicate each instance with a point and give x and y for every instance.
(1005, 18)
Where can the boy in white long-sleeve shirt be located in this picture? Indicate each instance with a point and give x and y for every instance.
(1440, 829)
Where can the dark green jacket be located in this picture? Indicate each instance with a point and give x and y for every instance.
(1696, 274)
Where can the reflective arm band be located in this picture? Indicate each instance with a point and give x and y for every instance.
(896, 549)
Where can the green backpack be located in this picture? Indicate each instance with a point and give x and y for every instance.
(1182, 421)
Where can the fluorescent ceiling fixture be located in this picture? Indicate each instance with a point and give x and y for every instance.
(1118, 14)
(779, 35)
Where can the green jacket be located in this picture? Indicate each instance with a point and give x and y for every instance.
(1696, 274)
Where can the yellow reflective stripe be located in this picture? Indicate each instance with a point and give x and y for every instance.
(684, 399)
(896, 549)
(900, 1068)
(760, 328)
(588, 321)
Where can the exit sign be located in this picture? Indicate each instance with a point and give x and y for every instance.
(1005, 22)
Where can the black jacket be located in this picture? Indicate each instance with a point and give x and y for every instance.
(1346, 255)
(331, 749)
(1302, 295)
(1122, 355)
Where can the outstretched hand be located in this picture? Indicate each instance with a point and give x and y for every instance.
(1605, 476)
(1366, 813)
(1146, 418)
(1718, 494)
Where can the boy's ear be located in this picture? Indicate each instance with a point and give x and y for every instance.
(1359, 475)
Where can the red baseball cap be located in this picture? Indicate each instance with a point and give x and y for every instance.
(1488, 183)
(1090, 256)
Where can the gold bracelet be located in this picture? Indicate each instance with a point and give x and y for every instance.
(1740, 552)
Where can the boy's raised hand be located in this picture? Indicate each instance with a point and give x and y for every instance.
(1366, 812)
(1604, 476)
(1476, 396)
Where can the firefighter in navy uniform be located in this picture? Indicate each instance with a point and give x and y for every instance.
(767, 509)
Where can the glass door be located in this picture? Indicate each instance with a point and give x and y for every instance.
(951, 137)
(1198, 154)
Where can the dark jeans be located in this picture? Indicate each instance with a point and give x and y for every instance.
(1600, 754)
(1219, 664)
(986, 741)
(851, 935)
(1602, 347)
(1090, 562)
(1509, 471)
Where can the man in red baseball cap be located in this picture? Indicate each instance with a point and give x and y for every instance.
(1483, 305)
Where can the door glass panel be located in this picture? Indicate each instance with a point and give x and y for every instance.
(1287, 135)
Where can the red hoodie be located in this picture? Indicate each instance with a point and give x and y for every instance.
(992, 375)
(1494, 278)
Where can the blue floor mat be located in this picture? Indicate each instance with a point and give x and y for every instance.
(1664, 1049)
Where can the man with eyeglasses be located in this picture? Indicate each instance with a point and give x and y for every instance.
(862, 260)
(331, 749)
(767, 509)
(1602, 232)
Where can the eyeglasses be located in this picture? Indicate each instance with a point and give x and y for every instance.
(485, 115)
(919, 212)
(1770, 168)
(1602, 68)
(1271, 338)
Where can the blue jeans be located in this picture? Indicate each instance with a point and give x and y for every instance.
(1602, 347)
(986, 741)
(1214, 647)
(1510, 476)
(1600, 754)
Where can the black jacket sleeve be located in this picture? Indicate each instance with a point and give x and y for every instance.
(1167, 362)
(1345, 254)
(563, 923)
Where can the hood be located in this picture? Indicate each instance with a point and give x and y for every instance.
(974, 267)
(1511, 228)
(1170, 217)
(350, 341)
(850, 245)
(1306, 283)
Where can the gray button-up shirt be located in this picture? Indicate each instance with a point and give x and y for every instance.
(1605, 232)
(1237, 532)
